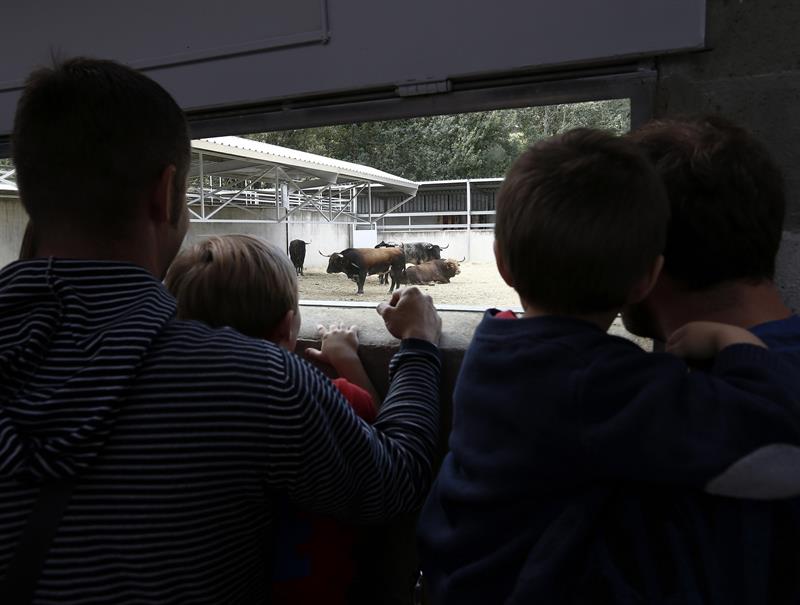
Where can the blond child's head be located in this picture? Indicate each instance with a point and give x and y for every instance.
(238, 281)
(581, 224)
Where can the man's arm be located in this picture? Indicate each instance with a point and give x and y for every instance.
(329, 461)
(703, 340)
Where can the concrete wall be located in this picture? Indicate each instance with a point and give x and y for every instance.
(477, 246)
(12, 227)
(322, 235)
(751, 74)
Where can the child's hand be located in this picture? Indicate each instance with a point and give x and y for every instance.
(339, 346)
(704, 339)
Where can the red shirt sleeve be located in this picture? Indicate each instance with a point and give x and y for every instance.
(359, 399)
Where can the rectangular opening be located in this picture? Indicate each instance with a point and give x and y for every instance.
(343, 186)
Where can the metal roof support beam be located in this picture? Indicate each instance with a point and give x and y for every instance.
(242, 180)
(352, 197)
(358, 219)
(308, 201)
(242, 190)
(396, 206)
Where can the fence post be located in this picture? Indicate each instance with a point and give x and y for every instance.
(469, 222)
(202, 187)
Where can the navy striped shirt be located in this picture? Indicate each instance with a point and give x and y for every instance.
(178, 435)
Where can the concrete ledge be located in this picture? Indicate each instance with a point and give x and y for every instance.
(377, 346)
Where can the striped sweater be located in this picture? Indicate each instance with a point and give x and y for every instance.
(179, 435)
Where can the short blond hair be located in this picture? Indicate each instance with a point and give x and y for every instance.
(234, 280)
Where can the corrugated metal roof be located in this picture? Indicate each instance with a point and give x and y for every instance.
(237, 147)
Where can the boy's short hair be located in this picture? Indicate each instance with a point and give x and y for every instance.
(727, 199)
(581, 217)
(234, 280)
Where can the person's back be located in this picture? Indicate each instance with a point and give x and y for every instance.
(172, 436)
(242, 282)
(551, 414)
(728, 205)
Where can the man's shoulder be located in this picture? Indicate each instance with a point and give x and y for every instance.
(542, 353)
(781, 335)
(190, 357)
(188, 339)
(549, 348)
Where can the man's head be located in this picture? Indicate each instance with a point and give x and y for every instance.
(726, 196)
(92, 141)
(581, 222)
(238, 281)
(727, 208)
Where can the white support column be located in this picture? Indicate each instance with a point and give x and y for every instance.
(469, 221)
(353, 224)
(285, 203)
(287, 235)
(369, 201)
(277, 187)
(202, 188)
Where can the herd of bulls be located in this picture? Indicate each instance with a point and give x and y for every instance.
(388, 260)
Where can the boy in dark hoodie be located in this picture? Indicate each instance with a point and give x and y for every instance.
(551, 412)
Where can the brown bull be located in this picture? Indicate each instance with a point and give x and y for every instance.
(433, 271)
(357, 263)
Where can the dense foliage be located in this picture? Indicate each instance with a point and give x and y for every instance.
(470, 145)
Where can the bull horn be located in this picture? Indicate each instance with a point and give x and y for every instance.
(444, 247)
(307, 243)
(463, 259)
(325, 255)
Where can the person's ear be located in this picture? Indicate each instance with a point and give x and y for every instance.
(646, 283)
(502, 268)
(161, 204)
(283, 334)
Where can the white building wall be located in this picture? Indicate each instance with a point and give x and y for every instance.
(323, 235)
(13, 219)
(308, 226)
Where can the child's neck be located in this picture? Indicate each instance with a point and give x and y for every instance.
(602, 319)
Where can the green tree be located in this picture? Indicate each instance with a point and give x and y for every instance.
(468, 145)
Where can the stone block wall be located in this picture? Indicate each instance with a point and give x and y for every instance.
(751, 74)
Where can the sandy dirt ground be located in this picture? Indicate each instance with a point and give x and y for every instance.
(478, 284)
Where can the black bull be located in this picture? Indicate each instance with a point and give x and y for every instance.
(416, 252)
(357, 263)
(297, 252)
